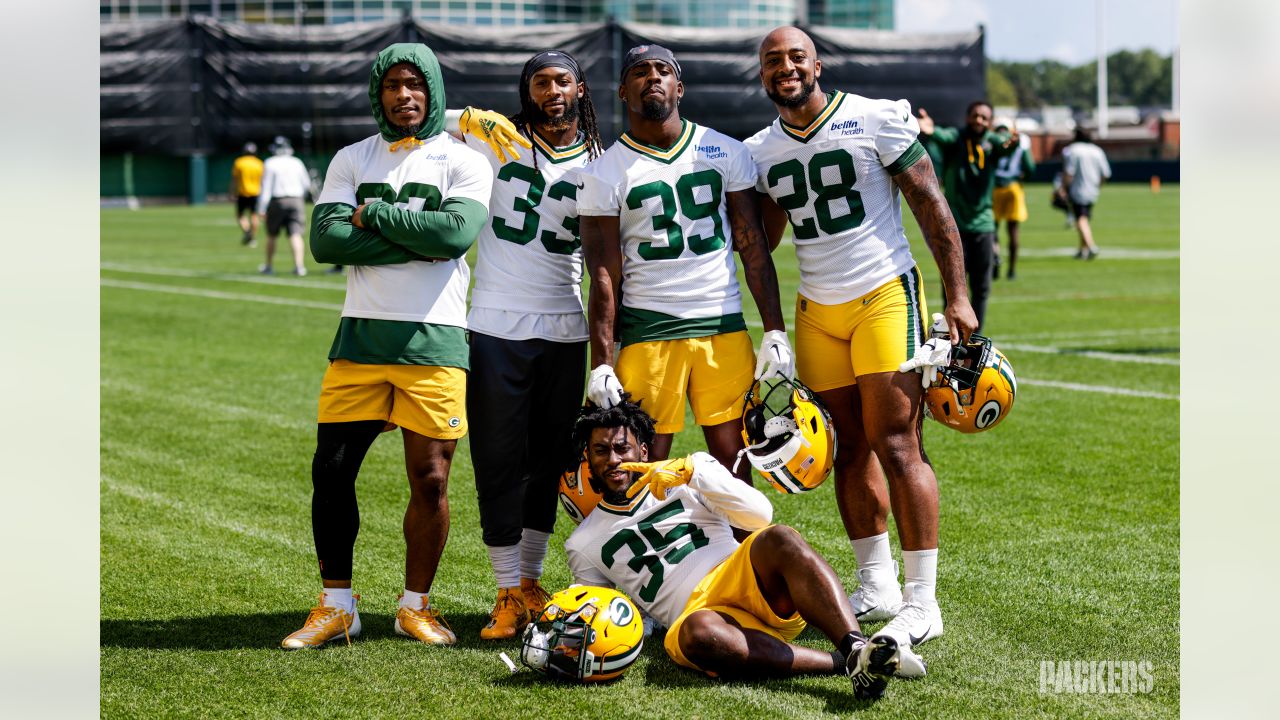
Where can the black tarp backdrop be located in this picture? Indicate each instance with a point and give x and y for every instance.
(206, 86)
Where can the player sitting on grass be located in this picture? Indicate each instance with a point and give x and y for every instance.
(663, 535)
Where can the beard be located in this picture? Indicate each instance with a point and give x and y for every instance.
(656, 109)
(800, 98)
(406, 130)
(556, 124)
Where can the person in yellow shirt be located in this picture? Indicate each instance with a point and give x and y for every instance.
(246, 184)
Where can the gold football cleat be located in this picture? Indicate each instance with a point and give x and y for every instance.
(424, 624)
(535, 597)
(509, 616)
(324, 625)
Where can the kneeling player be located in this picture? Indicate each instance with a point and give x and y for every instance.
(663, 534)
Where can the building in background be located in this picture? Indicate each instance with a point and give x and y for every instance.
(874, 14)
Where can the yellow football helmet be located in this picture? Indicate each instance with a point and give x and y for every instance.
(585, 634)
(577, 494)
(793, 448)
(976, 391)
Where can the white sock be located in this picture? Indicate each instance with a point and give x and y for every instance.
(533, 548)
(874, 555)
(505, 560)
(920, 569)
(413, 600)
(339, 598)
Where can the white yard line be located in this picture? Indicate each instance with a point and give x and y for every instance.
(1095, 354)
(1094, 334)
(219, 295)
(1103, 389)
(1106, 253)
(1110, 357)
(287, 281)
(202, 514)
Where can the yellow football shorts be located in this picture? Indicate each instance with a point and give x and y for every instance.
(1009, 203)
(714, 371)
(426, 399)
(731, 590)
(835, 344)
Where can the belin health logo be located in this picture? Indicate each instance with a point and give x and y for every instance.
(845, 128)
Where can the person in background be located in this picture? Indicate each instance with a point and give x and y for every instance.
(285, 185)
(1084, 168)
(1009, 202)
(969, 161)
(246, 184)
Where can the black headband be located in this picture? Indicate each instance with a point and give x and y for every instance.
(553, 58)
(640, 53)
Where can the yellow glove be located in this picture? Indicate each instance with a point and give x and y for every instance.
(495, 129)
(659, 476)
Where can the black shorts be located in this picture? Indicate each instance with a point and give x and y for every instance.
(288, 213)
(1081, 210)
(246, 203)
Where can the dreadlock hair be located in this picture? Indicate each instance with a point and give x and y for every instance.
(587, 124)
(625, 414)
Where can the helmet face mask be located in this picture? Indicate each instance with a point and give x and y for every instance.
(975, 391)
(793, 444)
(585, 634)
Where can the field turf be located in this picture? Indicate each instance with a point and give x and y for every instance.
(1059, 529)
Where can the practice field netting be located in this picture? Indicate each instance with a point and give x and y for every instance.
(1059, 528)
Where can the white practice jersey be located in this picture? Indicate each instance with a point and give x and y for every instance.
(417, 179)
(673, 220)
(529, 261)
(834, 180)
(283, 176)
(657, 551)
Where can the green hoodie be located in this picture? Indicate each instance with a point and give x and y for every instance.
(969, 174)
(393, 235)
(420, 56)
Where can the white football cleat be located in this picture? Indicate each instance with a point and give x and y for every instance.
(876, 601)
(918, 620)
(909, 664)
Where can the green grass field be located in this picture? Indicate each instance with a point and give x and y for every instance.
(1059, 528)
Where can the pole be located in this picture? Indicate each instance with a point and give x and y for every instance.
(1177, 56)
(1102, 70)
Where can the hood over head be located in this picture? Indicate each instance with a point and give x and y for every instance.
(421, 56)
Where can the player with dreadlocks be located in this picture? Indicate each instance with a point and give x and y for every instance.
(528, 331)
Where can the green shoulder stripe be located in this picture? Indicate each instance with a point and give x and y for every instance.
(908, 158)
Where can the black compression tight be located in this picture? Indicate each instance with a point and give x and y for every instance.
(335, 515)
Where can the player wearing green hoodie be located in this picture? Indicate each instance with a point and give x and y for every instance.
(399, 209)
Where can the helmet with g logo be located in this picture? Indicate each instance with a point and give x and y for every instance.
(578, 494)
(976, 391)
(585, 634)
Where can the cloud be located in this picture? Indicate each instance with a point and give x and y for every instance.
(1066, 52)
(940, 15)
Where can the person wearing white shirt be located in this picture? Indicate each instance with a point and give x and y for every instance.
(285, 184)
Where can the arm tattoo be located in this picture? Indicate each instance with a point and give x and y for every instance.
(919, 186)
(757, 264)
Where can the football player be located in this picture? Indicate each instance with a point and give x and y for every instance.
(528, 331)
(663, 534)
(663, 210)
(832, 165)
(400, 209)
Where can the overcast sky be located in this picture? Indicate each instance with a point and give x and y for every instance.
(1037, 30)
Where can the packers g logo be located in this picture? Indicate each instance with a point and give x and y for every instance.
(620, 612)
(987, 414)
(455, 421)
(574, 513)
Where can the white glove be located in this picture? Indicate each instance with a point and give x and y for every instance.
(939, 327)
(775, 357)
(933, 354)
(603, 387)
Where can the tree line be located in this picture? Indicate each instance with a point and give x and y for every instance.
(1142, 78)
